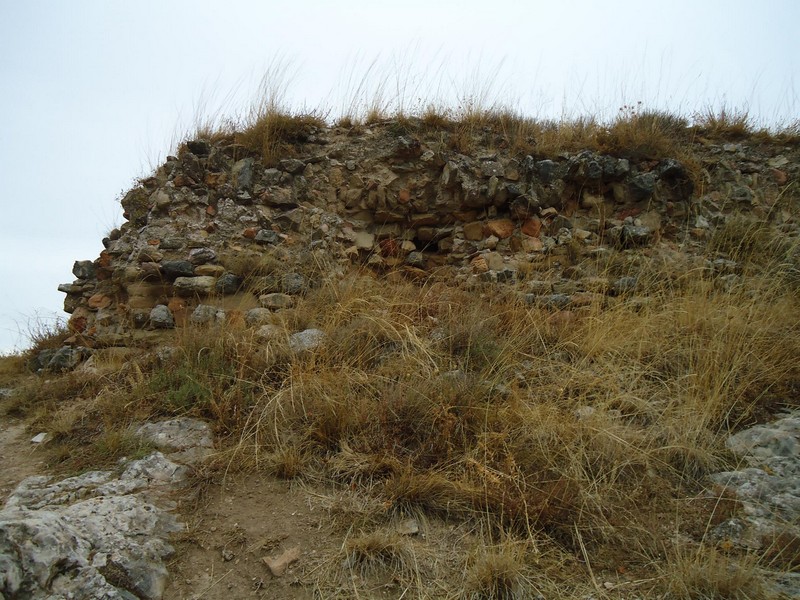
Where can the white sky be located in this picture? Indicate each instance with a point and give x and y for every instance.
(95, 93)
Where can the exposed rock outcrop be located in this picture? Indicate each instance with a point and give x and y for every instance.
(102, 534)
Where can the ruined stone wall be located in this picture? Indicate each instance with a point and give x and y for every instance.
(200, 231)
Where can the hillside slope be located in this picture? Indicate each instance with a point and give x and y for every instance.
(453, 359)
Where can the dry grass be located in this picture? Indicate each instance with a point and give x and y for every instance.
(499, 573)
(273, 134)
(723, 123)
(12, 367)
(707, 574)
(380, 550)
(433, 400)
(45, 333)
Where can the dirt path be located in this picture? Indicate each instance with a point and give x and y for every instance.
(241, 522)
(18, 456)
(249, 518)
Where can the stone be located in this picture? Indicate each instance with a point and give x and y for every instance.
(201, 285)
(364, 240)
(294, 283)
(149, 271)
(276, 301)
(560, 222)
(63, 359)
(549, 213)
(149, 255)
(210, 270)
(204, 314)
(278, 565)
(502, 228)
(306, 340)
(778, 162)
(268, 332)
(490, 243)
(201, 256)
(671, 169)
(525, 206)
(545, 170)
(186, 440)
(492, 168)
(177, 268)
(494, 260)
(532, 227)
(83, 269)
(257, 316)
(267, 236)
(767, 486)
(614, 168)
(292, 165)
(473, 231)
(407, 148)
(642, 186)
(228, 283)
(741, 194)
(416, 259)
(633, 236)
(778, 176)
(40, 361)
(722, 267)
(88, 536)
(763, 442)
(71, 288)
(424, 219)
(97, 301)
(242, 173)
(161, 317)
(532, 244)
(408, 527)
(160, 200)
(479, 265)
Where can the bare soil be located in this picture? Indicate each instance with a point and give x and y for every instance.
(241, 522)
(247, 518)
(19, 457)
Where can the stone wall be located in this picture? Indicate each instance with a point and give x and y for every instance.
(202, 232)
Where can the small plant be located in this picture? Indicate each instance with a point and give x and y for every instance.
(45, 333)
(705, 573)
(725, 123)
(499, 573)
(643, 134)
(288, 461)
(380, 550)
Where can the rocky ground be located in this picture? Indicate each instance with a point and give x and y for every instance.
(147, 529)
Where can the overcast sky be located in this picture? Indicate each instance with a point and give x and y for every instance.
(95, 93)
